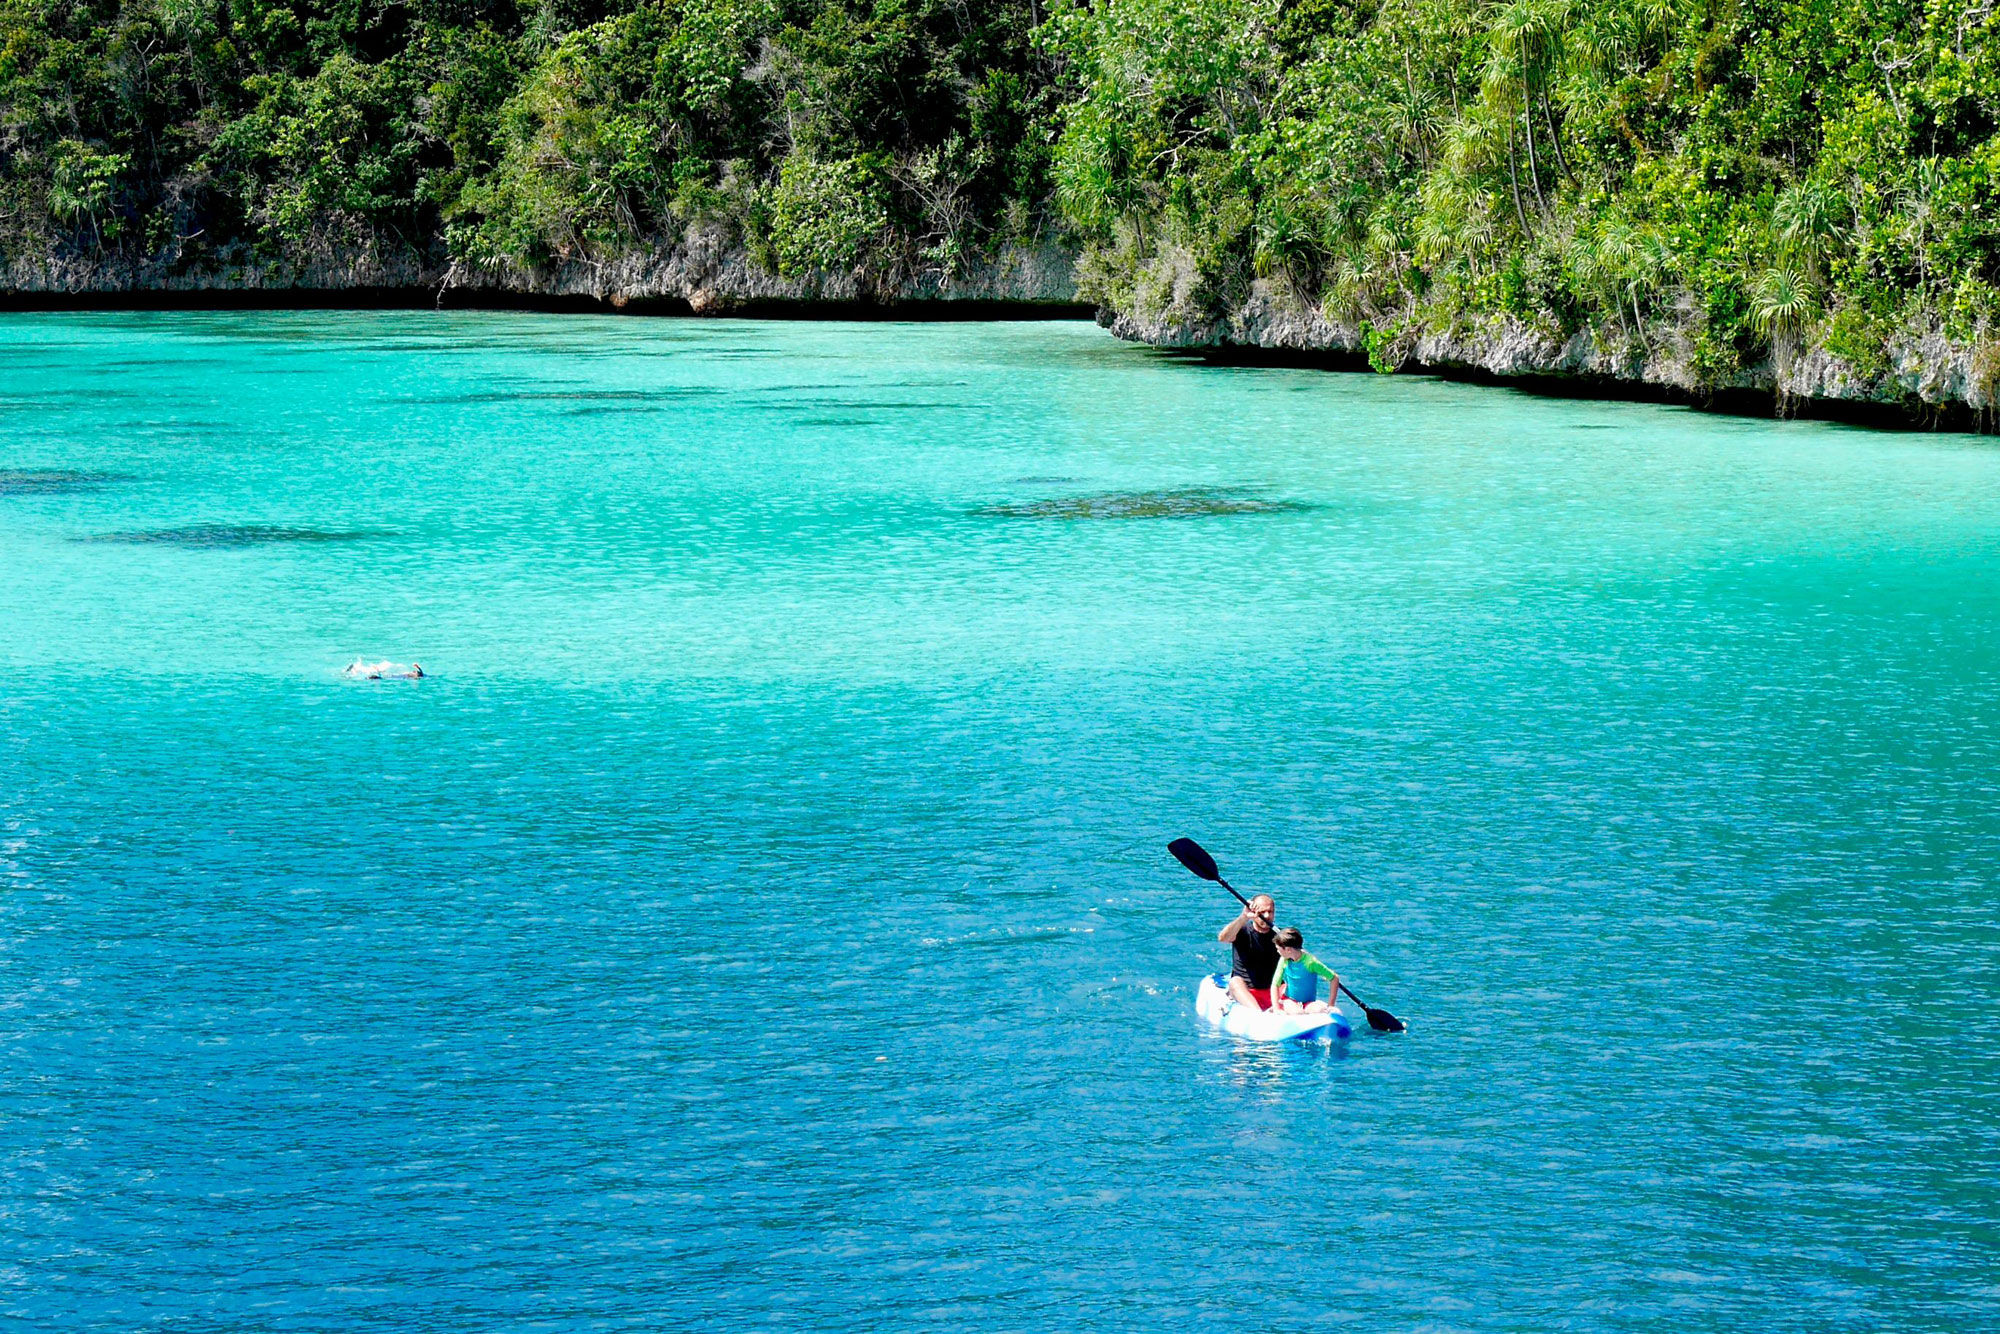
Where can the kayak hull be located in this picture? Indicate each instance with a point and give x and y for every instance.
(1212, 1002)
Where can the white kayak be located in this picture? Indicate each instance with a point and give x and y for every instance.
(1212, 1002)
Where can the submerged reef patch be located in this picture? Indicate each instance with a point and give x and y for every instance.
(50, 481)
(588, 396)
(224, 536)
(1184, 503)
(818, 404)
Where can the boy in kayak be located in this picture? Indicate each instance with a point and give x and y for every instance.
(1295, 984)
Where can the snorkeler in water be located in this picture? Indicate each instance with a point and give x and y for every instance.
(377, 671)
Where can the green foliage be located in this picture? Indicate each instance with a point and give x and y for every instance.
(1689, 180)
(824, 214)
(82, 185)
(581, 164)
(1712, 182)
(1781, 300)
(1860, 337)
(327, 156)
(1380, 345)
(825, 132)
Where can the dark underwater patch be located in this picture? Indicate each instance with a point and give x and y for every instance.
(1185, 503)
(595, 396)
(851, 404)
(229, 536)
(50, 481)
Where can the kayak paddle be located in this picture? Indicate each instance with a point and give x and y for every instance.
(1195, 857)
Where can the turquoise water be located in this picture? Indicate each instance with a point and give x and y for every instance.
(760, 917)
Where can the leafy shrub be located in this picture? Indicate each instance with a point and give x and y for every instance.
(825, 214)
(83, 186)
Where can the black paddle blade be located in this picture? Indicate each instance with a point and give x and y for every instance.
(1379, 1020)
(1193, 856)
(1383, 1022)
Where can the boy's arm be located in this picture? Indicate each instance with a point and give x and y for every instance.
(1332, 978)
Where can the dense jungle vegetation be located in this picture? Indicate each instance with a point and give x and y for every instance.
(827, 134)
(1735, 177)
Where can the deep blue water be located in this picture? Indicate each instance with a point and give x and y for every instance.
(760, 917)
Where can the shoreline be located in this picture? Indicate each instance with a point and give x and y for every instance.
(1756, 403)
(940, 310)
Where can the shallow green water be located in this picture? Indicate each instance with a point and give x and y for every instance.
(761, 915)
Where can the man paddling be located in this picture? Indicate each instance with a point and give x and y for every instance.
(1243, 978)
(1256, 951)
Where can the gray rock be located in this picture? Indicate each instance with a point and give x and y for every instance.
(706, 269)
(1926, 367)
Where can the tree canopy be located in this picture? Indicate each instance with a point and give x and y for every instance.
(1753, 175)
(1744, 178)
(822, 132)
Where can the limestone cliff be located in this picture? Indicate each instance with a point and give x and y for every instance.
(706, 271)
(1925, 372)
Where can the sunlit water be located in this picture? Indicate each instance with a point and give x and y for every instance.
(760, 917)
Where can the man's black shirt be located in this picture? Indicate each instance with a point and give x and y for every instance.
(1256, 956)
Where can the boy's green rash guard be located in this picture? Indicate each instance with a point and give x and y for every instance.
(1289, 969)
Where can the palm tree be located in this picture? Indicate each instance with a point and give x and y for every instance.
(1440, 222)
(1418, 115)
(1286, 247)
(1809, 219)
(1603, 256)
(1526, 40)
(1782, 301)
(1620, 263)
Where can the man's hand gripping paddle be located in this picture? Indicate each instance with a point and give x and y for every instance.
(1195, 857)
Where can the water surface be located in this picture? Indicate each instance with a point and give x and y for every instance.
(760, 917)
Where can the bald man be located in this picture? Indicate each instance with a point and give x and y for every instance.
(1256, 952)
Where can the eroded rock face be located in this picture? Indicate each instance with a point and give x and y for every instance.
(348, 270)
(1925, 367)
(710, 271)
(707, 269)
